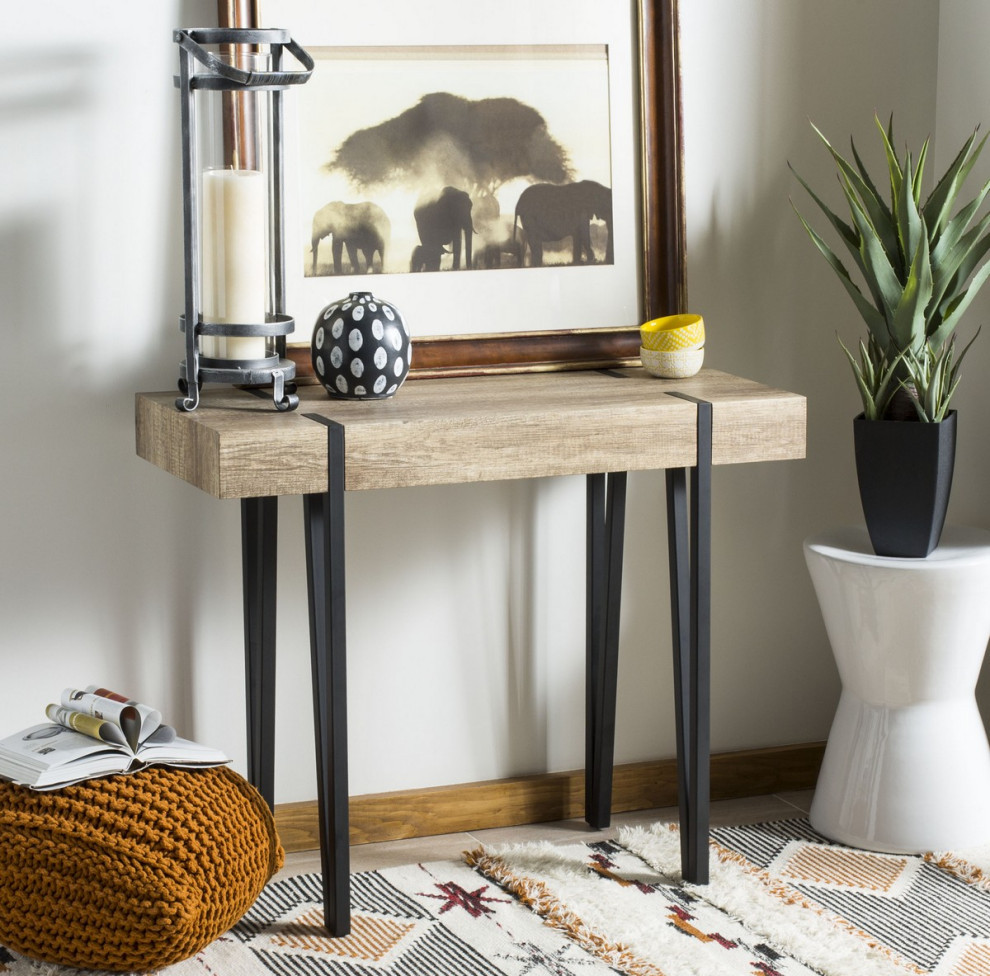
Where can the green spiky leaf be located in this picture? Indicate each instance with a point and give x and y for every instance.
(875, 376)
(934, 375)
(876, 323)
(942, 199)
(907, 325)
(919, 172)
(910, 224)
(864, 195)
(847, 234)
(958, 307)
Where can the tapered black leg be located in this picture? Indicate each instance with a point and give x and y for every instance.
(594, 614)
(680, 616)
(690, 581)
(324, 518)
(259, 539)
(701, 594)
(606, 505)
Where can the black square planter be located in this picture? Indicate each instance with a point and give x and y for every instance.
(905, 477)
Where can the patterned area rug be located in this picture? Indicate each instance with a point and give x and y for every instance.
(782, 901)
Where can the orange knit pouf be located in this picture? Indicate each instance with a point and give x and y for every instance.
(131, 872)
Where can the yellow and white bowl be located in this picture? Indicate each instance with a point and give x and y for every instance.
(673, 365)
(673, 333)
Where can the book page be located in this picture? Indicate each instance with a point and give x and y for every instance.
(179, 751)
(45, 746)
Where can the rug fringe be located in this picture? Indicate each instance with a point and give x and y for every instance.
(958, 866)
(537, 897)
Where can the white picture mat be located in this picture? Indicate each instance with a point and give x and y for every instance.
(491, 301)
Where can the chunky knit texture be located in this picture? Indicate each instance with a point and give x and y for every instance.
(131, 872)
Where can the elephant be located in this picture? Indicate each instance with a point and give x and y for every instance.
(498, 242)
(485, 209)
(492, 252)
(551, 212)
(443, 220)
(363, 228)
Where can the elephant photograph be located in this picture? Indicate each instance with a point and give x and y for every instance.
(362, 229)
(548, 213)
(439, 162)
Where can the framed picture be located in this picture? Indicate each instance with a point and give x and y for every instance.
(508, 176)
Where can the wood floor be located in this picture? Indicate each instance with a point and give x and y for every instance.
(445, 847)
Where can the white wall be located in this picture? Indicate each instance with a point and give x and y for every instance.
(467, 648)
(754, 74)
(963, 100)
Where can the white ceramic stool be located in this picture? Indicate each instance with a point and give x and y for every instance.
(907, 765)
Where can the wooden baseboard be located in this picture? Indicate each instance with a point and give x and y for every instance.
(547, 797)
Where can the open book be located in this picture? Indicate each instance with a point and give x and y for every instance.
(96, 732)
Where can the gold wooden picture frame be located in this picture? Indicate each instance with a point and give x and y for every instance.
(662, 263)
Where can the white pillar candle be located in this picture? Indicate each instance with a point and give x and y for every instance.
(235, 267)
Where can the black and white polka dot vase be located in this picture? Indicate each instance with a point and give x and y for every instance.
(361, 348)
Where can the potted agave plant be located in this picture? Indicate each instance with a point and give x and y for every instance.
(922, 262)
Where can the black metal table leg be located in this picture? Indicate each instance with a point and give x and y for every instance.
(324, 518)
(259, 539)
(690, 595)
(680, 610)
(606, 507)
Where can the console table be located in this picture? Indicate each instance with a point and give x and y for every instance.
(600, 423)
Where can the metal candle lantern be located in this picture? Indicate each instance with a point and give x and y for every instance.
(232, 186)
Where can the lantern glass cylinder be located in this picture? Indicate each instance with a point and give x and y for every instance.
(235, 218)
(231, 116)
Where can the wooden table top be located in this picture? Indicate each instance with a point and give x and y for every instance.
(483, 428)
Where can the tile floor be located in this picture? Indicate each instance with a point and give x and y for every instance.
(445, 847)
